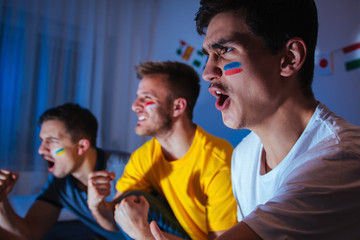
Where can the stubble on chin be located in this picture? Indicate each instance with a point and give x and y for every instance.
(232, 122)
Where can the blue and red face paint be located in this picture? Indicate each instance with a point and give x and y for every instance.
(233, 68)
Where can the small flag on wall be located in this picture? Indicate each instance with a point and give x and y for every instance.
(187, 53)
(324, 64)
(181, 48)
(193, 56)
(198, 58)
(352, 56)
(184, 50)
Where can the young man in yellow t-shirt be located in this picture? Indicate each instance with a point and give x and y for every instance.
(182, 163)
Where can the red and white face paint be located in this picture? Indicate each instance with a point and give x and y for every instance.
(150, 105)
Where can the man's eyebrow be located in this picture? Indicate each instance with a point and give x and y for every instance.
(51, 138)
(205, 52)
(147, 94)
(220, 44)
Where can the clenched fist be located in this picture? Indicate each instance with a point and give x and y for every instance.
(7, 182)
(99, 187)
(131, 214)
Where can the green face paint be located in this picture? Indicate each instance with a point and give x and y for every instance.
(60, 151)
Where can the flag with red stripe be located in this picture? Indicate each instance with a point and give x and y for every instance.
(352, 56)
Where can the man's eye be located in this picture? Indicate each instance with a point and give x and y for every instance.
(145, 99)
(225, 50)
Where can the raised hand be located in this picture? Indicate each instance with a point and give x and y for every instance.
(99, 187)
(131, 214)
(7, 182)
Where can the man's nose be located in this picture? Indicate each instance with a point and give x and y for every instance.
(42, 149)
(212, 71)
(136, 106)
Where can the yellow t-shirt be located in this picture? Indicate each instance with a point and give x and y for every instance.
(197, 186)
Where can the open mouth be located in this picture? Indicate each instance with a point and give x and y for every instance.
(50, 165)
(141, 118)
(221, 98)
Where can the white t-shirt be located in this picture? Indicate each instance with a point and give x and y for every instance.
(314, 193)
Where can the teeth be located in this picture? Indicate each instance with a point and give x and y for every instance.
(218, 92)
(142, 118)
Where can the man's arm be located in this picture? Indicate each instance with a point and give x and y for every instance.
(214, 235)
(39, 219)
(11, 223)
(99, 187)
(159, 235)
(132, 213)
(240, 231)
(221, 204)
(4, 235)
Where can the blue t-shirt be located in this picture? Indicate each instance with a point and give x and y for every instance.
(64, 193)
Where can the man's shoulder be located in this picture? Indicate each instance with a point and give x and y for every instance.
(212, 140)
(324, 116)
(217, 150)
(148, 147)
(114, 159)
(115, 154)
(55, 187)
(329, 129)
(249, 140)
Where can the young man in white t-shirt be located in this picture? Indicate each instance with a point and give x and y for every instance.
(297, 175)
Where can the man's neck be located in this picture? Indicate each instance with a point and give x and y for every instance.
(177, 143)
(280, 133)
(87, 166)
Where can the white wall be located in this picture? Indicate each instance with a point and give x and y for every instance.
(339, 26)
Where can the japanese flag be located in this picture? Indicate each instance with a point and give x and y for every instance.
(324, 64)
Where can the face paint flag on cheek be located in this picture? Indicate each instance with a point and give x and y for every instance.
(150, 105)
(60, 151)
(233, 68)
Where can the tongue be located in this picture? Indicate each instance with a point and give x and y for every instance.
(222, 102)
(222, 99)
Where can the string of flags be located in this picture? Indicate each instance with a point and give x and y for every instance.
(191, 55)
(351, 57)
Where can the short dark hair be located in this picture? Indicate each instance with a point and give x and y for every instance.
(79, 122)
(273, 21)
(184, 81)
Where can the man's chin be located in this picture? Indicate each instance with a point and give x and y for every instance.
(141, 132)
(229, 122)
(59, 175)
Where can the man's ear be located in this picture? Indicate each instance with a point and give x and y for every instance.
(294, 57)
(83, 146)
(179, 106)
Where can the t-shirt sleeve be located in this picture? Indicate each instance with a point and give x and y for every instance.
(316, 199)
(135, 174)
(221, 204)
(49, 193)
